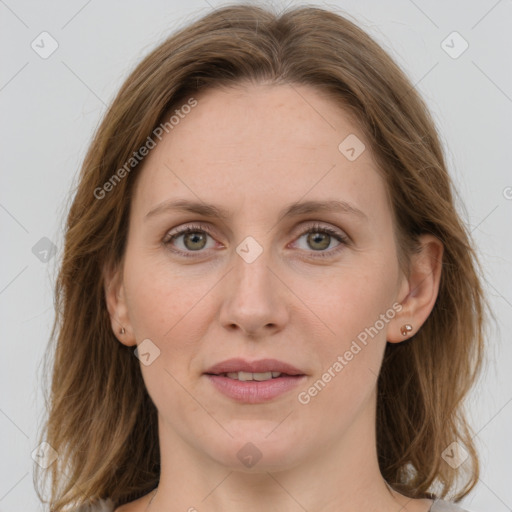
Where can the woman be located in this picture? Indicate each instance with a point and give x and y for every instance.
(267, 299)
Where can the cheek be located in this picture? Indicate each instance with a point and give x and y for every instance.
(355, 308)
(159, 300)
(163, 308)
(351, 354)
(350, 299)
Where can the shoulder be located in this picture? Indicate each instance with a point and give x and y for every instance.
(446, 506)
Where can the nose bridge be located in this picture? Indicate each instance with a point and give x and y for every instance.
(253, 300)
(252, 276)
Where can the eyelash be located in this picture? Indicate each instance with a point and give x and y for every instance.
(316, 228)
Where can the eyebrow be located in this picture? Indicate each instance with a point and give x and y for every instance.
(292, 210)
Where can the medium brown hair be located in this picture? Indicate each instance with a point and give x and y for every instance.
(101, 420)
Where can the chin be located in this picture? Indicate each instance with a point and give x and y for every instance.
(253, 451)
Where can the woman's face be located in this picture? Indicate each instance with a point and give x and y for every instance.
(259, 284)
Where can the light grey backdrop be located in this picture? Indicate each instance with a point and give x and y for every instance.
(52, 102)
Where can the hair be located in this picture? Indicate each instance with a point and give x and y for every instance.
(101, 420)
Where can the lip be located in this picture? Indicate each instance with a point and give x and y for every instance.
(254, 392)
(259, 366)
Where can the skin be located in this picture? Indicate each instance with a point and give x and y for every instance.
(254, 149)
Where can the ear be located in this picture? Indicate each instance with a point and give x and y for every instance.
(115, 298)
(419, 290)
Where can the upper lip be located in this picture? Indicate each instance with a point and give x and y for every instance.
(259, 366)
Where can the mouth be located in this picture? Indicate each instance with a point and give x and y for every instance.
(254, 382)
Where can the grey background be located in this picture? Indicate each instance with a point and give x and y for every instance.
(50, 108)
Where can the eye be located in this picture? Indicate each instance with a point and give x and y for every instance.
(320, 237)
(195, 237)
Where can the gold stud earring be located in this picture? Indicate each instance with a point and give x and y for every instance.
(406, 329)
(122, 330)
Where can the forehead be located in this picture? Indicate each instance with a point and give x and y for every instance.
(261, 145)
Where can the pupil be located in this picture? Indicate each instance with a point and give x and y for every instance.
(194, 238)
(315, 237)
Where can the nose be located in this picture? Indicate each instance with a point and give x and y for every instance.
(255, 298)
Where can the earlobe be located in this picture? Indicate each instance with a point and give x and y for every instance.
(116, 305)
(419, 291)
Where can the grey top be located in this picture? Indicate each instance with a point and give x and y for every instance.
(437, 506)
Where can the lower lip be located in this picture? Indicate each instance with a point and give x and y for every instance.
(255, 392)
